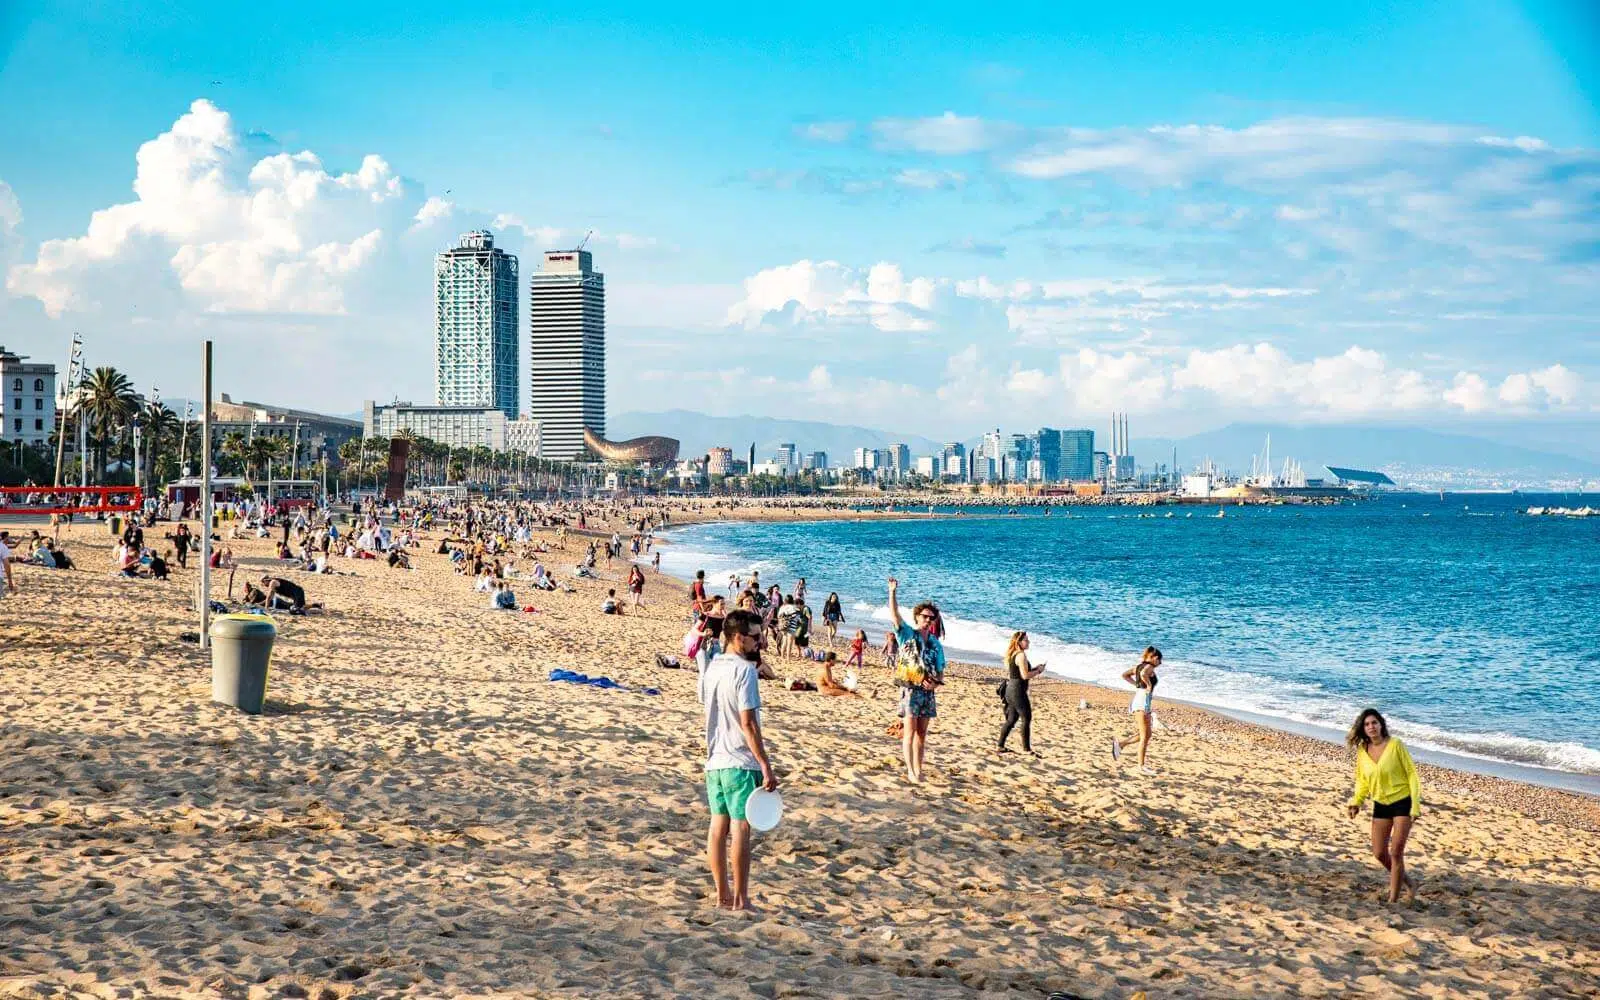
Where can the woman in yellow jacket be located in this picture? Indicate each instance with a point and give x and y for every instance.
(1386, 775)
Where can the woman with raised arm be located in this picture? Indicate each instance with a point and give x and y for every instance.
(1386, 775)
(1142, 676)
(918, 672)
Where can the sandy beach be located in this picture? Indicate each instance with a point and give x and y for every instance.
(421, 812)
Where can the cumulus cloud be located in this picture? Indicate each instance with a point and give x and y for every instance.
(282, 234)
(820, 292)
(1262, 377)
(433, 210)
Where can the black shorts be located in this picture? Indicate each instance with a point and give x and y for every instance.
(1393, 809)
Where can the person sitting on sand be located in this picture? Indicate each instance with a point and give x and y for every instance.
(44, 555)
(1142, 676)
(502, 598)
(282, 551)
(484, 583)
(398, 559)
(611, 606)
(736, 756)
(223, 559)
(127, 559)
(1386, 775)
(826, 682)
(158, 566)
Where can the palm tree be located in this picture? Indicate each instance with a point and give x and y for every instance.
(160, 425)
(109, 401)
(234, 444)
(263, 449)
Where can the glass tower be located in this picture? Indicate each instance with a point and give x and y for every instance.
(475, 353)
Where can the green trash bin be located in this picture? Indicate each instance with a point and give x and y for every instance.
(241, 648)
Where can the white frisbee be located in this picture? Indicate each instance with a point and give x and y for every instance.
(763, 809)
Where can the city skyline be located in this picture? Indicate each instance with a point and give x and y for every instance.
(1310, 216)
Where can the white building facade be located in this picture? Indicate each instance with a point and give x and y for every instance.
(567, 351)
(28, 407)
(455, 426)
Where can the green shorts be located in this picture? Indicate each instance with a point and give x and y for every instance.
(728, 787)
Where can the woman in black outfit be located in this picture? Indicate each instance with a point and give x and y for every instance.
(1018, 708)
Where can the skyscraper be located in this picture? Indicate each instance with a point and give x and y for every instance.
(567, 351)
(475, 352)
(1077, 456)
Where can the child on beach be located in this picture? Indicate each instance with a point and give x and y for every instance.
(858, 650)
(891, 648)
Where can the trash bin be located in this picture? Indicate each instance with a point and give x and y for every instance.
(241, 646)
(116, 525)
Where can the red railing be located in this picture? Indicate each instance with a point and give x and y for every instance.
(15, 500)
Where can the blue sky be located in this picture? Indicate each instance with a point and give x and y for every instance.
(911, 215)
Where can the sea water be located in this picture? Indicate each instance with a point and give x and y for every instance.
(1473, 626)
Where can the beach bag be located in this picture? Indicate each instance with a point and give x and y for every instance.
(691, 642)
(1000, 689)
(908, 663)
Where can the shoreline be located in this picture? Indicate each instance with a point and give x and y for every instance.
(1482, 766)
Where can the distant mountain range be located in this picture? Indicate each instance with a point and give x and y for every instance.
(1408, 450)
(698, 433)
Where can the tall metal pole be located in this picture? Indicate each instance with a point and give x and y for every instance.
(205, 502)
(66, 403)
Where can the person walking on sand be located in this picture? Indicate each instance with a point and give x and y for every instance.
(918, 672)
(636, 585)
(1018, 708)
(1386, 775)
(1142, 676)
(736, 757)
(832, 617)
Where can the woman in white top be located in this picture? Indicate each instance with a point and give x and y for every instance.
(1142, 676)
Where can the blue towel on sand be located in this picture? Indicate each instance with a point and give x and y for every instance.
(573, 677)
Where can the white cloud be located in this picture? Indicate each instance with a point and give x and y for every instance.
(281, 235)
(948, 134)
(819, 292)
(826, 131)
(434, 209)
(929, 180)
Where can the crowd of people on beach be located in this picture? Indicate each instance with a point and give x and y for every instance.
(735, 640)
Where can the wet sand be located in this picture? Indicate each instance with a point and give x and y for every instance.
(420, 812)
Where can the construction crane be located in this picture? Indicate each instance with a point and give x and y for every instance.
(583, 242)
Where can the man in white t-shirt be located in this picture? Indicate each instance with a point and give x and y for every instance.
(5, 560)
(736, 757)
